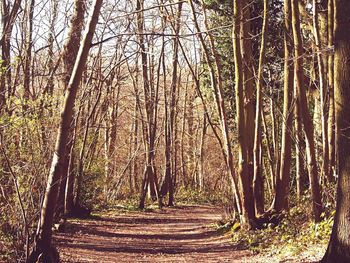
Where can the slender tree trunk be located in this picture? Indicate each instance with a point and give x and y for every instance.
(183, 129)
(216, 84)
(331, 116)
(170, 169)
(258, 181)
(69, 187)
(270, 154)
(149, 180)
(282, 179)
(51, 41)
(28, 49)
(321, 61)
(8, 17)
(111, 135)
(305, 115)
(82, 155)
(301, 175)
(201, 174)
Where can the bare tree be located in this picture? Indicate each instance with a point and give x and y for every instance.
(43, 248)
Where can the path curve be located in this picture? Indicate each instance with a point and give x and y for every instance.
(180, 234)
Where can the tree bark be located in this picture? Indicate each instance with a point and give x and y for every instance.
(321, 62)
(339, 245)
(282, 179)
(149, 181)
(258, 182)
(331, 116)
(43, 247)
(28, 49)
(216, 84)
(170, 115)
(7, 21)
(248, 209)
(305, 115)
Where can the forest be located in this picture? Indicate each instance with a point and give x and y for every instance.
(174, 130)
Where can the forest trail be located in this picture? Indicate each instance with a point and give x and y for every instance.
(180, 234)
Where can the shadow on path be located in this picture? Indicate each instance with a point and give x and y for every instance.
(180, 234)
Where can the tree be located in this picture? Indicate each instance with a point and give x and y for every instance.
(216, 82)
(339, 245)
(305, 114)
(8, 16)
(280, 201)
(43, 249)
(170, 170)
(70, 52)
(258, 177)
(149, 181)
(248, 209)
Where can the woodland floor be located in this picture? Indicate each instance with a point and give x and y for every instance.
(180, 234)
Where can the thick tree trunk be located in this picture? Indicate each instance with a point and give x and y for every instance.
(248, 209)
(43, 247)
(248, 90)
(69, 55)
(339, 244)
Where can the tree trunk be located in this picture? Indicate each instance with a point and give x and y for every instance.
(28, 50)
(283, 178)
(170, 116)
(248, 91)
(305, 115)
(216, 85)
(43, 247)
(149, 181)
(69, 55)
(248, 211)
(339, 245)
(301, 176)
(7, 22)
(82, 155)
(258, 182)
(321, 61)
(331, 117)
(69, 187)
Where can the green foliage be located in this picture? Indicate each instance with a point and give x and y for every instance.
(195, 196)
(27, 142)
(295, 234)
(92, 186)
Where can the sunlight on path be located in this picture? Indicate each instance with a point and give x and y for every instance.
(179, 234)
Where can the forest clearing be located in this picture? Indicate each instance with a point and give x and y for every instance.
(174, 130)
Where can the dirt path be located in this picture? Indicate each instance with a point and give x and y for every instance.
(173, 235)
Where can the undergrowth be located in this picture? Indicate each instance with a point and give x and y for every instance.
(297, 234)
